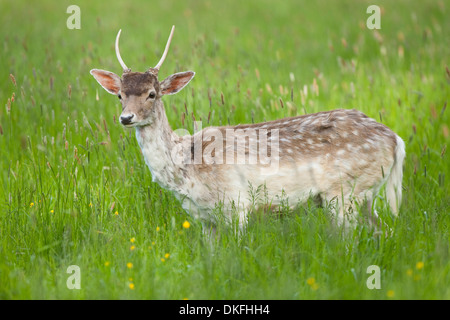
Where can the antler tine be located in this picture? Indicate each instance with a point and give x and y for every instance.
(165, 50)
(124, 66)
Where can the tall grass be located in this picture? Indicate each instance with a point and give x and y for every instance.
(75, 190)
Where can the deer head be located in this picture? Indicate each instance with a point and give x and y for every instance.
(141, 92)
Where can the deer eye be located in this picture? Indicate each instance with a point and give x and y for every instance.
(119, 96)
(152, 95)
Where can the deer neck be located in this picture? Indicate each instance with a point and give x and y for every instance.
(157, 142)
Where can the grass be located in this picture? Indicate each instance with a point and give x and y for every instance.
(75, 190)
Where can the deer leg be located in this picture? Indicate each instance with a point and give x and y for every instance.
(242, 221)
(210, 234)
(375, 221)
(347, 216)
(343, 208)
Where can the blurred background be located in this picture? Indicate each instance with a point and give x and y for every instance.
(67, 166)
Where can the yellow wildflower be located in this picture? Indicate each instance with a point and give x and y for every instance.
(131, 286)
(132, 240)
(390, 293)
(312, 283)
(132, 248)
(106, 263)
(129, 265)
(186, 224)
(419, 265)
(167, 255)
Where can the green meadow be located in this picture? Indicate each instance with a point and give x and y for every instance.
(74, 188)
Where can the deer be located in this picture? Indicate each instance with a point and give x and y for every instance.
(340, 157)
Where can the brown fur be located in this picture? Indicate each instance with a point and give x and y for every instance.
(138, 83)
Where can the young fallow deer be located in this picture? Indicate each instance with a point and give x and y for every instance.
(340, 156)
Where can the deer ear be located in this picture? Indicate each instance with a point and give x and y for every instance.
(108, 80)
(174, 83)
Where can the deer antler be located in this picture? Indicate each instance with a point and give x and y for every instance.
(158, 65)
(165, 50)
(124, 66)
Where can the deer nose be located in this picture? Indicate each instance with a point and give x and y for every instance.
(126, 119)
